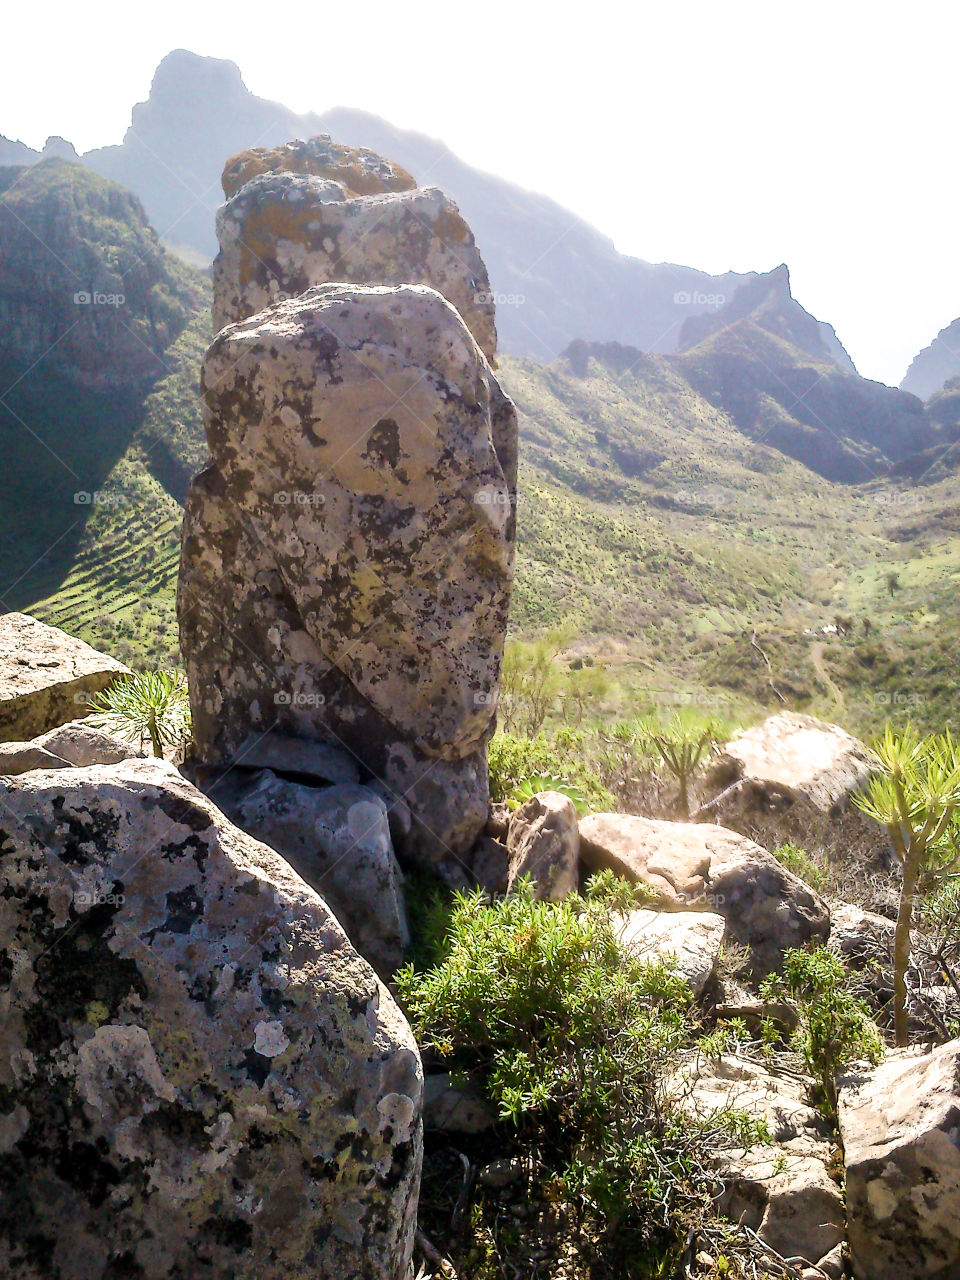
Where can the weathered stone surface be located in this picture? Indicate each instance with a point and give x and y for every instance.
(197, 1069)
(802, 756)
(347, 558)
(284, 754)
(690, 940)
(861, 937)
(455, 1108)
(45, 676)
(544, 843)
(338, 840)
(782, 1191)
(76, 743)
(490, 865)
(700, 866)
(282, 233)
(359, 172)
(900, 1124)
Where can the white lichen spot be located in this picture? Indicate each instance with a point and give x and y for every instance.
(399, 1112)
(270, 1039)
(881, 1199)
(289, 417)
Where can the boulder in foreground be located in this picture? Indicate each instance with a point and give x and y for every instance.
(200, 1075)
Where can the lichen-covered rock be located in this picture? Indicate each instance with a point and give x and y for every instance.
(359, 171)
(200, 1077)
(338, 839)
(699, 866)
(543, 843)
(282, 233)
(347, 558)
(689, 941)
(900, 1124)
(801, 756)
(46, 677)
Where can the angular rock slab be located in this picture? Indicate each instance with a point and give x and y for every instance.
(282, 233)
(782, 1191)
(199, 1074)
(75, 743)
(347, 559)
(900, 1124)
(359, 171)
(699, 866)
(46, 676)
(338, 840)
(802, 756)
(690, 940)
(543, 843)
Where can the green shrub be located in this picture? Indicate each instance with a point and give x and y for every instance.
(511, 759)
(835, 1026)
(800, 863)
(575, 1042)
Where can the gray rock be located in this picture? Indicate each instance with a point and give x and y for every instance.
(900, 1124)
(544, 843)
(490, 865)
(690, 941)
(283, 232)
(455, 1108)
(284, 754)
(338, 840)
(81, 743)
(699, 866)
(801, 756)
(46, 677)
(197, 1067)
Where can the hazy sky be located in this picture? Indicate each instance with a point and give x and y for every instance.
(729, 134)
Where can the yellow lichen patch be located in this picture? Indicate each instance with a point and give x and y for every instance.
(449, 226)
(265, 228)
(334, 161)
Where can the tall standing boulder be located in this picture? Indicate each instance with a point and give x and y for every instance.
(199, 1076)
(347, 556)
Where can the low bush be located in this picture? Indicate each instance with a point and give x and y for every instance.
(576, 1043)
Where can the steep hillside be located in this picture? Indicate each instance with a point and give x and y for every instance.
(936, 364)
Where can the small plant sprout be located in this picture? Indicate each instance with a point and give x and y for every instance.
(147, 706)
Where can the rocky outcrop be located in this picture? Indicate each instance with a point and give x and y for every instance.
(46, 677)
(688, 941)
(801, 757)
(199, 1075)
(282, 233)
(347, 557)
(543, 843)
(697, 866)
(900, 1124)
(782, 1191)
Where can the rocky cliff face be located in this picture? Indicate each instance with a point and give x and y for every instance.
(85, 284)
(936, 364)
